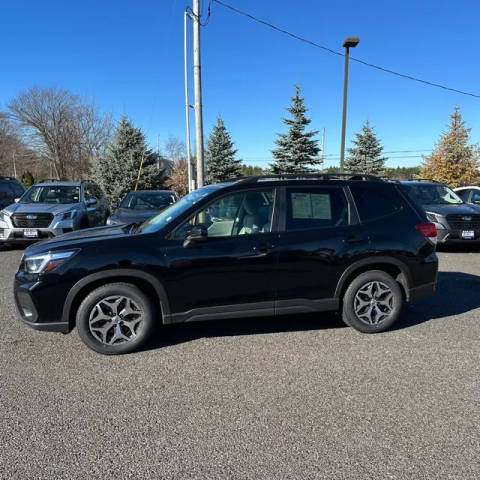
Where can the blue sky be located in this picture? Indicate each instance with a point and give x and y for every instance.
(128, 57)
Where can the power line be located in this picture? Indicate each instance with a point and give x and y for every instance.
(335, 52)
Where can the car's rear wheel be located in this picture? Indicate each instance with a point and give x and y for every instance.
(116, 318)
(372, 302)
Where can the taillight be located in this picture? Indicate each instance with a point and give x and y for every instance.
(427, 229)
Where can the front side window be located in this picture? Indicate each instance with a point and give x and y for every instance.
(374, 203)
(241, 213)
(316, 208)
(475, 198)
(56, 194)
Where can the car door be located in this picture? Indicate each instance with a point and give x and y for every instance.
(232, 273)
(320, 236)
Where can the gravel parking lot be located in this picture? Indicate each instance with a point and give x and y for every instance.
(292, 398)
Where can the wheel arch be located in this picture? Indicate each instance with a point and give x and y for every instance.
(394, 267)
(145, 281)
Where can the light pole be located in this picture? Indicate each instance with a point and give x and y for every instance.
(350, 42)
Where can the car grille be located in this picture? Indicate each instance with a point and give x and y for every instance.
(464, 222)
(31, 220)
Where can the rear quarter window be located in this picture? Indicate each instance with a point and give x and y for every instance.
(373, 203)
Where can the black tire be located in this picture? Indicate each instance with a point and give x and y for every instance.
(388, 304)
(89, 307)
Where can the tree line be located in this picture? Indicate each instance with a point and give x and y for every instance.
(53, 133)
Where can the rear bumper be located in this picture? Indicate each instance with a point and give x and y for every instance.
(422, 291)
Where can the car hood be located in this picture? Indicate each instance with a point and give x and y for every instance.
(73, 239)
(459, 209)
(40, 207)
(126, 215)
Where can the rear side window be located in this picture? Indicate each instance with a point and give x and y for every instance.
(374, 203)
(17, 189)
(316, 208)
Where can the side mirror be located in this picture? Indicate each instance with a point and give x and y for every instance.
(17, 200)
(195, 236)
(91, 201)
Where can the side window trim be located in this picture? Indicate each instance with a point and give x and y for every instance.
(274, 225)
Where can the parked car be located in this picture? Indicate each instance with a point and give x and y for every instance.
(469, 194)
(52, 208)
(10, 190)
(141, 205)
(299, 243)
(455, 220)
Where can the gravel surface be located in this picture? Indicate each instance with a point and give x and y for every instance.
(301, 397)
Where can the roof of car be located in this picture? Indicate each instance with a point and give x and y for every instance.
(59, 183)
(153, 191)
(420, 182)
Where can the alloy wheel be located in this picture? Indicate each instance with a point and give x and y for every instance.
(115, 320)
(374, 303)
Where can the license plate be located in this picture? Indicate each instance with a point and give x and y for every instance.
(30, 233)
(468, 234)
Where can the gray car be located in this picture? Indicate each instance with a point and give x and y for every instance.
(141, 205)
(52, 208)
(456, 220)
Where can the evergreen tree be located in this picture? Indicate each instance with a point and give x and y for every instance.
(297, 150)
(453, 161)
(27, 179)
(117, 170)
(220, 161)
(366, 156)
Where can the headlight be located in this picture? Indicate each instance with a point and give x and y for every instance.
(66, 215)
(47, 261)
(3, 216)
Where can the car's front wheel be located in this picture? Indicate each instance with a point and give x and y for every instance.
(372, 302)
(116, 318)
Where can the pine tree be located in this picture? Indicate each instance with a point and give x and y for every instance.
(27, 179)
(297, 150)
(220, 161)
(453, 161)
(366, 155)
(117, 170)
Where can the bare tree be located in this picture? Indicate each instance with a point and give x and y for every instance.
(175, 149)
(178, 180)
(67, 132)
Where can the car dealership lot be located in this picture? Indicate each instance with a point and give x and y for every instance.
(292, 397)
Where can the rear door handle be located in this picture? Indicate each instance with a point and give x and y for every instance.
(352, 239)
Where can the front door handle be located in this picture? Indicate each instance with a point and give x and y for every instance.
(260, 250)
(353, 239)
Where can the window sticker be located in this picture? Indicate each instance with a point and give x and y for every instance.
(311, 205)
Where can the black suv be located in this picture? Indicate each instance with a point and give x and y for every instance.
(10, 190)
(248, 248)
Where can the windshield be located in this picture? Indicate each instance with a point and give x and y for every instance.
(147, 200)
(166, 216)
(433, 194)
(55, 194)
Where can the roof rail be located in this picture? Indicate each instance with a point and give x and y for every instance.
(4, 177)
(310, 176)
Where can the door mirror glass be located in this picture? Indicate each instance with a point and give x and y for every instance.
(195, 235)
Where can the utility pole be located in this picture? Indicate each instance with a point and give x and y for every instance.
(197, 74)
(187, 102)
(350, 42)
(322, 164)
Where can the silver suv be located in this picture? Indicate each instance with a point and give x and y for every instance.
(52, 208)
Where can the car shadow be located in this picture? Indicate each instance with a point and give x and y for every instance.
(456, 293)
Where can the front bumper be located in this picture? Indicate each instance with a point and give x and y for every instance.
(455, 236)
(11, 234)
(40, 304)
